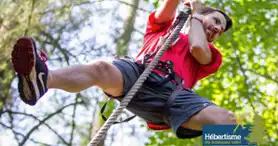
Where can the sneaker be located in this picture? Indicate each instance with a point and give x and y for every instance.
(31, 70)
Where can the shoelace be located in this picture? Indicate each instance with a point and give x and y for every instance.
(43, 56)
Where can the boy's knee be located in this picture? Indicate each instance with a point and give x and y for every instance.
(224, 117)
(100, 65)
(99, 69)
(212, 115)
(106, 76)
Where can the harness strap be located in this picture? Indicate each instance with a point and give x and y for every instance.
(104, 118)
(164, 66)
(167, 68)
(169, 102)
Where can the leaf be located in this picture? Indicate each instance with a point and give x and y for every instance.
(258, 132)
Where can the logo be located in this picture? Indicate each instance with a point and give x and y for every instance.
(220, 135)
(235, 135)
(41, 80)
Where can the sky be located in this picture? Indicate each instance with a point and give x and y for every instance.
(122, 131)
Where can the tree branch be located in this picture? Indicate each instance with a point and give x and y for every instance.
(55, 43)
(95, 114)
(12, 127)
(30, 17)
(22, 135)
(34, 117)
(73, 120)
(14, 132)
(243, 71)
(265, 76)
(89, 2)
(43, 121)
(40, 143)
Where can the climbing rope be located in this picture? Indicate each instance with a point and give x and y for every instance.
(182, 17)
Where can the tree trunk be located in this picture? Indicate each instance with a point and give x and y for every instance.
(122, 44)
(122, 50)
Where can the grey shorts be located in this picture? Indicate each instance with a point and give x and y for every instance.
(149, 101)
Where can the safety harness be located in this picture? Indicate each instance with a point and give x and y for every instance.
(167, 67)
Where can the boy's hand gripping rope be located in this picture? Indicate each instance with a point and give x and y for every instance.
(182, 17)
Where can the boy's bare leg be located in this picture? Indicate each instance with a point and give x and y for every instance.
(34, 78)
(211, 115)
(80, 77)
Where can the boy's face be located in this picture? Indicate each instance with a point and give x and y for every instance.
(214, 25)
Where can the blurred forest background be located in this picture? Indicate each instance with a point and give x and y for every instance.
(73, 32)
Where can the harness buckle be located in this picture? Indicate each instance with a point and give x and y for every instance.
(169, 67)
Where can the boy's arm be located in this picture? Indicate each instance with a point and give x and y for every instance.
(166, 11)
(198, 43)
(199, 47)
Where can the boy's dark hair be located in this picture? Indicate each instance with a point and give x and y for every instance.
(207, 10)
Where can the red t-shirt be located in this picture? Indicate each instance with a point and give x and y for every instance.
(185, 65)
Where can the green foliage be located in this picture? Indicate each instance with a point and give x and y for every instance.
(110, 106)
(248, 77)
(247, 80)
(257, 132)
(13, 22)
(154, 2)
(52, 24)
(168, 138)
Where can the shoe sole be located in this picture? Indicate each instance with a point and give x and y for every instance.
(24, 61)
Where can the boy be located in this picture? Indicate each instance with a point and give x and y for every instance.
(162, 104)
